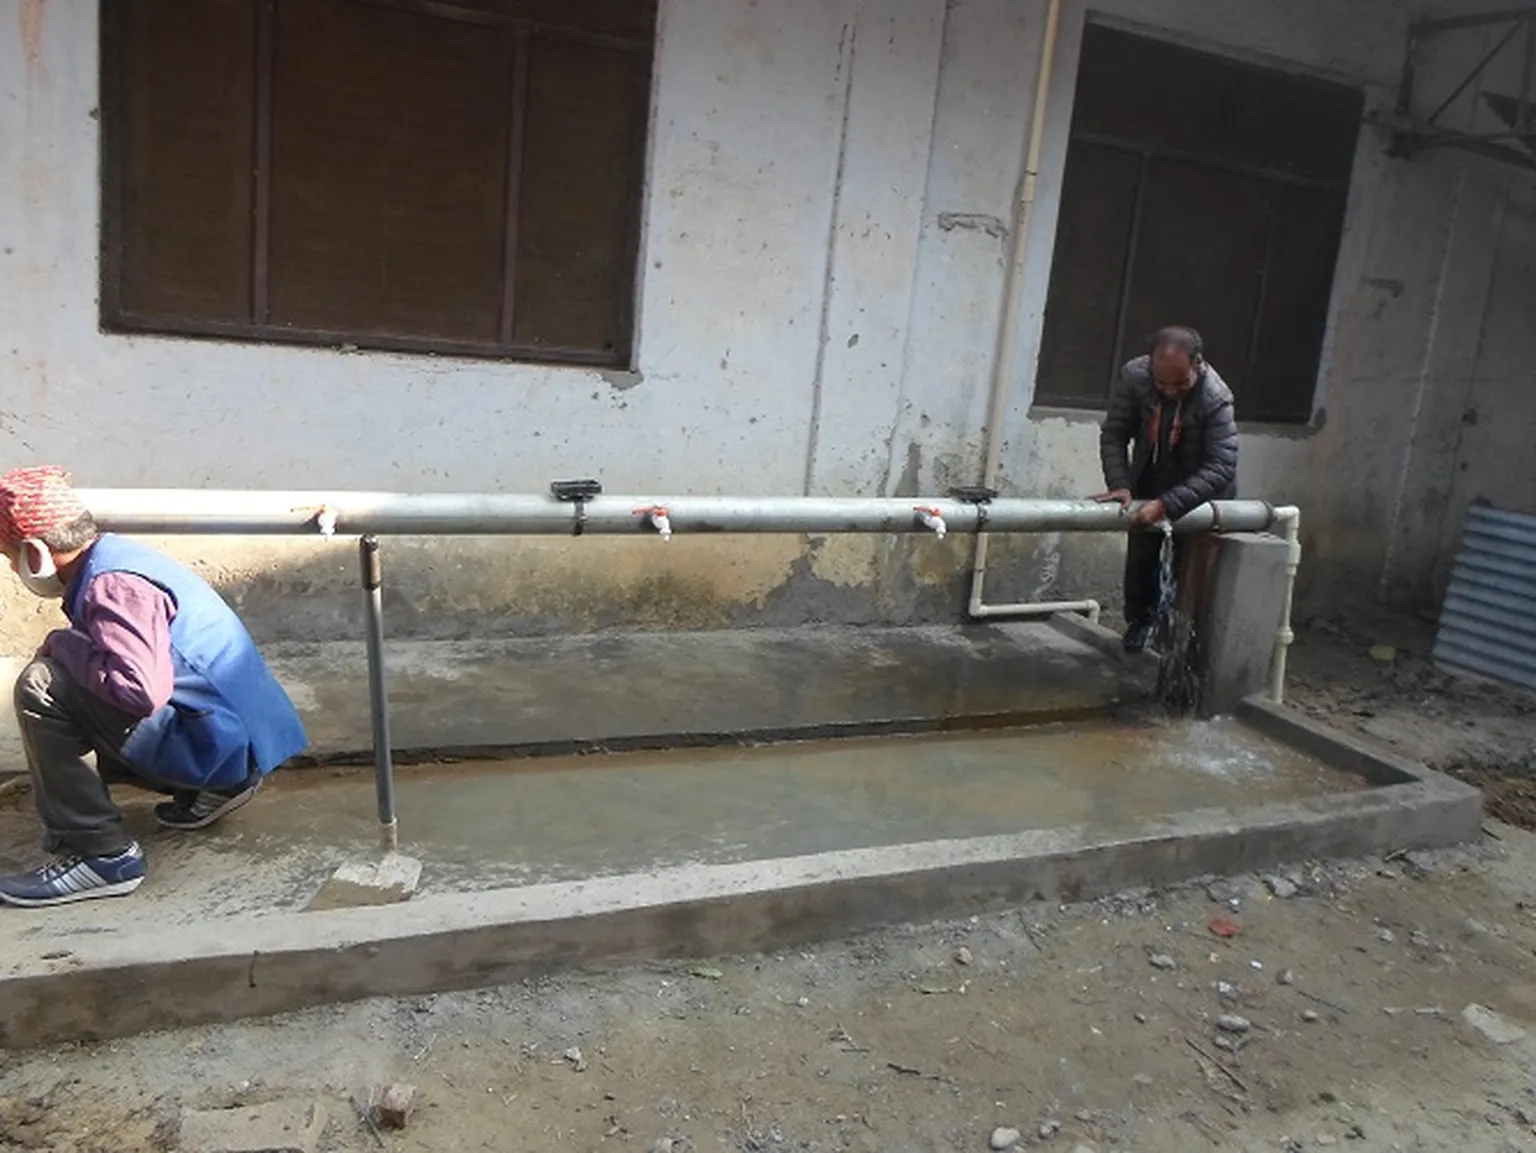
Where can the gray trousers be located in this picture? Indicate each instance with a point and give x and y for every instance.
(63, 724)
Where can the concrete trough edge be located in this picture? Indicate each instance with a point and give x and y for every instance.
(1344, 751)
(108, 985)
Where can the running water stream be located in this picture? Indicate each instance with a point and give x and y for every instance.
(1178, 679)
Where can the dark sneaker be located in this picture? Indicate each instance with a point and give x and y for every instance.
(1137, 636)
(69, 878)
(191, 811)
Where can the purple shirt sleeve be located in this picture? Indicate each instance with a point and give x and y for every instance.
(121, 647)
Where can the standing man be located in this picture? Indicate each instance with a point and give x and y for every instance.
(1178, 413)
(155, 680)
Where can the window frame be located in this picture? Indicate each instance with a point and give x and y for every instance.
(117, 319)
(1146, 155)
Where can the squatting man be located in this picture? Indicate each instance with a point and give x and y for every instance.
(155, 683)
(1177, 411)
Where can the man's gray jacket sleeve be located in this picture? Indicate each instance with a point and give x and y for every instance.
(1115, 434)
(1218, 469)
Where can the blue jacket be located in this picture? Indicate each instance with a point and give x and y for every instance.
(227, 715)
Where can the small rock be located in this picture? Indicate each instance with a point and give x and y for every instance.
(1280, 887)
(1141, 1018)
(576, 1060)
(1162, 961)
(1285, 977)
(1232, 1023)
(963, 956)
(1311, 1016)
(1049, 1129)
(1420, 939)
(396, 1104)
(1225, 1044)
(1226, 990)
(1386, 936)
(803, 1003)
(1004, 1139)
(1355, 1132)
(1327, 1139)
(1142, 1079)
(1491, 1025)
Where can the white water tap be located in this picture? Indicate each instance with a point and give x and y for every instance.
(933, 519)
(659, 519)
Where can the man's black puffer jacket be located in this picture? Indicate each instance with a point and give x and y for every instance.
(1204, 440)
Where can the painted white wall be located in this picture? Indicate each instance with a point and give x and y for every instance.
(811, 318)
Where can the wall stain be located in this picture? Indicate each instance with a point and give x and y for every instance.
(30, 18)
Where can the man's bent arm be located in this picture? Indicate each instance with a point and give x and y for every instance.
(1115, 435)
(1217, 471)
(122, 651)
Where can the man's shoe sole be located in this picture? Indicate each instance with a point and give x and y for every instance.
(240, 800)
(119, 889)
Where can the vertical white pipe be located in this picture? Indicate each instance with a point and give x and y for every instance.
(1290, 517)
(1007, 329)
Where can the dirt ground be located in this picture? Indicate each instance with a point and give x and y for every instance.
(1480, 732)
(1087, 1028)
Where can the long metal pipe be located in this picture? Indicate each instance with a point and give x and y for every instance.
(378, 692)
(206, 511)
(1007, 335)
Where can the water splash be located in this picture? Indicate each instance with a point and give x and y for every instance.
(1178, 681)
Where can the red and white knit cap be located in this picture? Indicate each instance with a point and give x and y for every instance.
(35, 502)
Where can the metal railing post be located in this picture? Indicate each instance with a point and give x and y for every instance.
(378, 690)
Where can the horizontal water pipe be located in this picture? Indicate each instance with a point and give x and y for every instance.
(211, 511)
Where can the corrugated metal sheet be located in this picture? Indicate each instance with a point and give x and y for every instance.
(1488, 618)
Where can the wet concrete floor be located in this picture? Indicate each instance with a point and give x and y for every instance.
(493, 824)
(667, 689)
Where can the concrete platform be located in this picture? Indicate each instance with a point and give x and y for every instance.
(667, 690)
(541, 865)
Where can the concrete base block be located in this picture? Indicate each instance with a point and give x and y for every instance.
(359, 884)
(1245, 599)
(145, 977)
(277, 1127)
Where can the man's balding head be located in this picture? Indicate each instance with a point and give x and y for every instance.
(1177, 353)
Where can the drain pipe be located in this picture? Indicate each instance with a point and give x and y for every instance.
(1007, 331)
(1288, 519)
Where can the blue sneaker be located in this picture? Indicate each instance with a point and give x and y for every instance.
(190, 810)
(69, 878)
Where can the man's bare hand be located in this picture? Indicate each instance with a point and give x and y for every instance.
(1151, 512)
(1120, 496)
